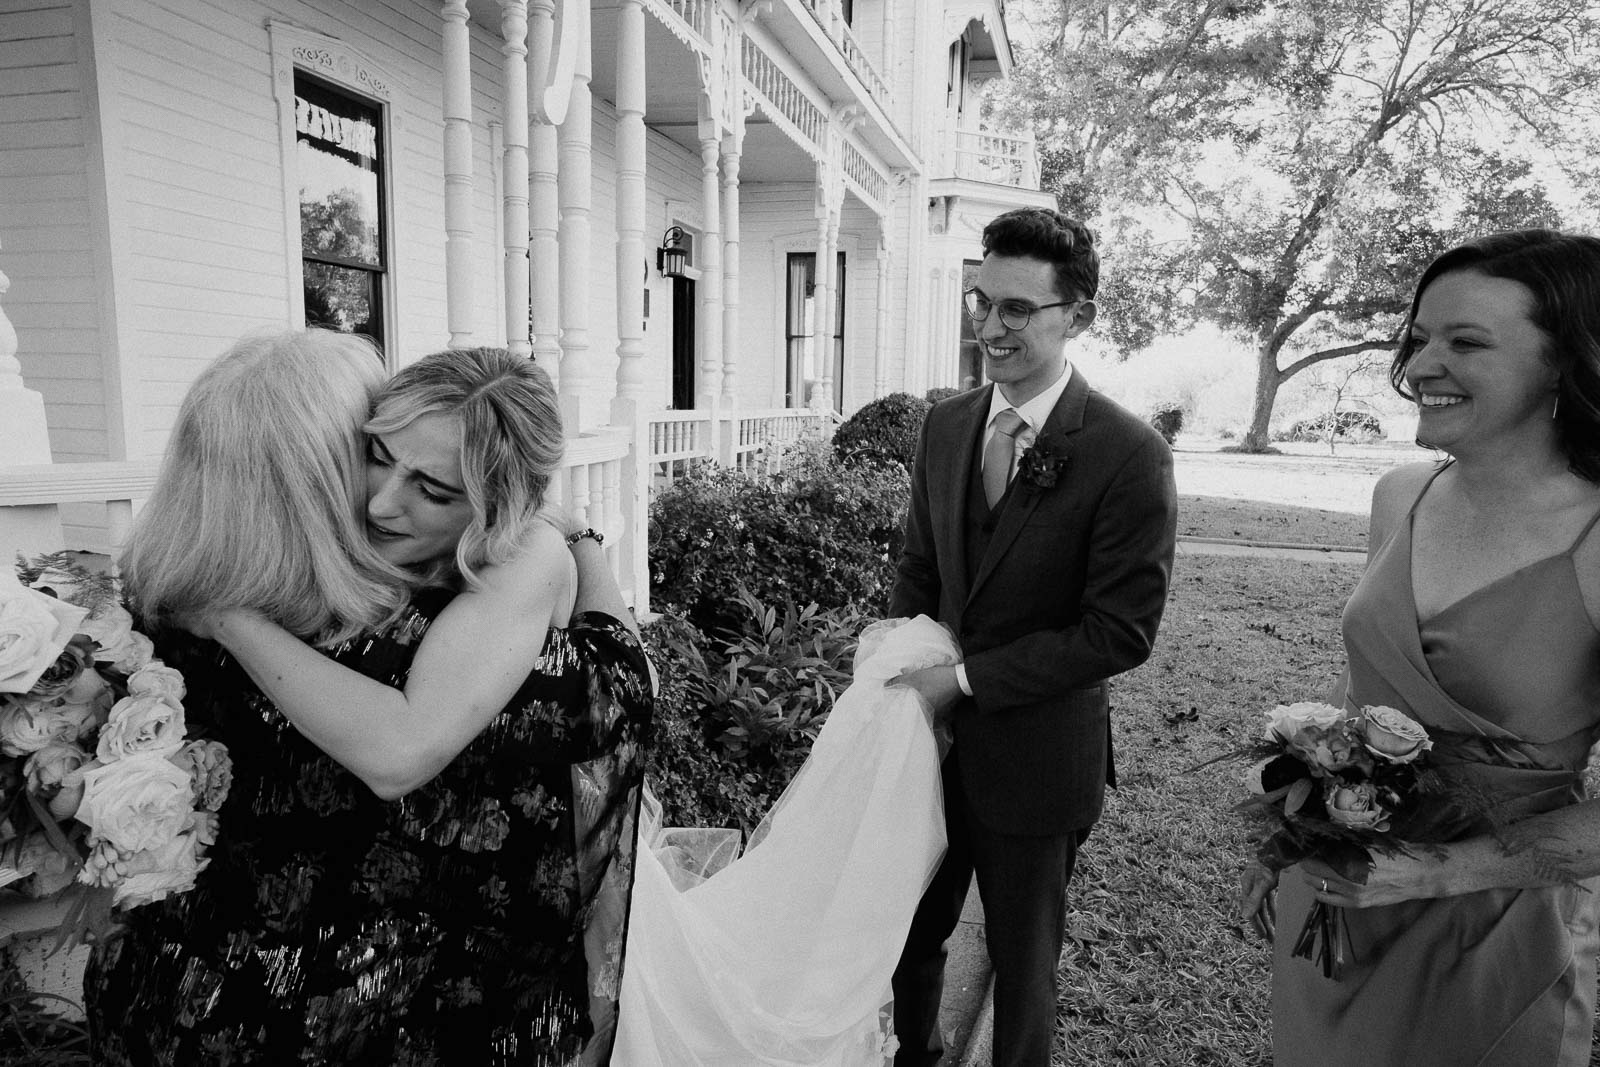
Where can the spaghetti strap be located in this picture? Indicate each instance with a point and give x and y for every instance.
(1428, 485)
(1588, 527)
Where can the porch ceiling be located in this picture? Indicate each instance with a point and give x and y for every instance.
(672, 94)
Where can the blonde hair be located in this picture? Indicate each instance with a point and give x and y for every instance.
(511, 443)
(261, 498)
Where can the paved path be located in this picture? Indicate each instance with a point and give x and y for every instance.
(1217, 546)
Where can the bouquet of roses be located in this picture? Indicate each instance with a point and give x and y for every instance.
(1339, 787)
(99, 784)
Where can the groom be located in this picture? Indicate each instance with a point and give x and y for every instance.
(1041, 531)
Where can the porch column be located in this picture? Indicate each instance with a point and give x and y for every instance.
(826, 291)
(457, 173)
(514, 167)
(709, 320)
(544, 214)
(880, 361)
(730, 268)
(575, 139)
(632, 267)
(544, 250)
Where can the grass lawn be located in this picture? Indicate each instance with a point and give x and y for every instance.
(1224, 517)
(1156, 971)
(1305, 496)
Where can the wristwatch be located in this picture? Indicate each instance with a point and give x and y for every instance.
(587, 531)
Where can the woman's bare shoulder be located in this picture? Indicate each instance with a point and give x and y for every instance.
(1392, 497)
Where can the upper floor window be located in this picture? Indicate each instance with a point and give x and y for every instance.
(340, 158)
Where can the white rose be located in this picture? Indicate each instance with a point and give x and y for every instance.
(34, 628)
(121, 646)
(1286, 720)
(1393, 735)
(141, 724)
(47, 768)
(26, 728)
(87, 688)
(157, 678)
(156, 873)
(135, 804)
(1356, 805)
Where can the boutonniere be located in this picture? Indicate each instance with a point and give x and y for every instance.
(1042, 462)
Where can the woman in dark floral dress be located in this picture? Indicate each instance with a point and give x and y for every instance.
(427, 851)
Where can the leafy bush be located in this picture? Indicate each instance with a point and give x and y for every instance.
(1354, 425)
(697, 783)
(938, 393)
(1167, 420)
(818, 532)
(736, 716)
(883, 431)
(780, 675)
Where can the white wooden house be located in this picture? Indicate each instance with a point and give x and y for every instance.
(716, 223)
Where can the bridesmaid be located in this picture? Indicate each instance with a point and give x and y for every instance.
(1479, 616)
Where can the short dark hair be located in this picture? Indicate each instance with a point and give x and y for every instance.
(1053, 237)
(1562, 272)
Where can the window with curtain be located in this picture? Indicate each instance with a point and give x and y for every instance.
(802, 362)
(971, 363)
(340, 160)
(800, 291)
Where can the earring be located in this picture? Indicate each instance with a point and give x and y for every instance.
(1555, 408)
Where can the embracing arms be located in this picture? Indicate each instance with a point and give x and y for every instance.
(474, 657)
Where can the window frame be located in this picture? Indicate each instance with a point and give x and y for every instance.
(344, 70)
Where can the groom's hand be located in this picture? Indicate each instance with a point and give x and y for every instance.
(936, 685)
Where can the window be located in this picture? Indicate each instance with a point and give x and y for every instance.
(339, 161)
(971, 367)
(802, 361)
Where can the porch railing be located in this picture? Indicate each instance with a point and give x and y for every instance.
(830, 16)
(996, 158)
(762, 436)
(677, 440)
(752, 441)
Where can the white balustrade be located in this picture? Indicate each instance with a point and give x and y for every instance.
(997, 158)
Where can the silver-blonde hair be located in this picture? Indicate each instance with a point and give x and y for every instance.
(511, 443)
(261, 498)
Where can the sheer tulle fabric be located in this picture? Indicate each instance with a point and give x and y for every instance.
(783, 957)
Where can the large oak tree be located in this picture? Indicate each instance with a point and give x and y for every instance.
(1285, 169)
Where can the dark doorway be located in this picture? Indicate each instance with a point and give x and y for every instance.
(683, 344)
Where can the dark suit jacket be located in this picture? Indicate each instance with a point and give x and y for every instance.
(1068, 594)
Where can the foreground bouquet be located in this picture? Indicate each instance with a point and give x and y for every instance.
(99, 784)
(1340, 787)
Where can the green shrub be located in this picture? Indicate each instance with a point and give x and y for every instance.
(938, 393)
(697, 783)
(736, 716)
(818, 532)
(1167, 420)
(779, 677)
(883, 431)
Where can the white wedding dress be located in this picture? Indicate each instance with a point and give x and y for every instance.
(783, 957)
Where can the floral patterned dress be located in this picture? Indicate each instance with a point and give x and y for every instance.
(478, 920)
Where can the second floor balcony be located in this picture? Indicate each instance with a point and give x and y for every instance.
(1007, 159)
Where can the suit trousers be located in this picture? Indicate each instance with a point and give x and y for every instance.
(1022, 881)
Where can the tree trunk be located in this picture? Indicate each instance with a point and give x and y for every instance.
(1268, 378)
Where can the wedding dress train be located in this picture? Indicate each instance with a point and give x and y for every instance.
(783, 957)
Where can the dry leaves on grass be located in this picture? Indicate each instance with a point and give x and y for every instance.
(1155, 969)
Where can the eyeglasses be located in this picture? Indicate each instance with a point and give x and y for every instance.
(1013, 314)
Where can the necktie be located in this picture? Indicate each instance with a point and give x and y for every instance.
(998, 453)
